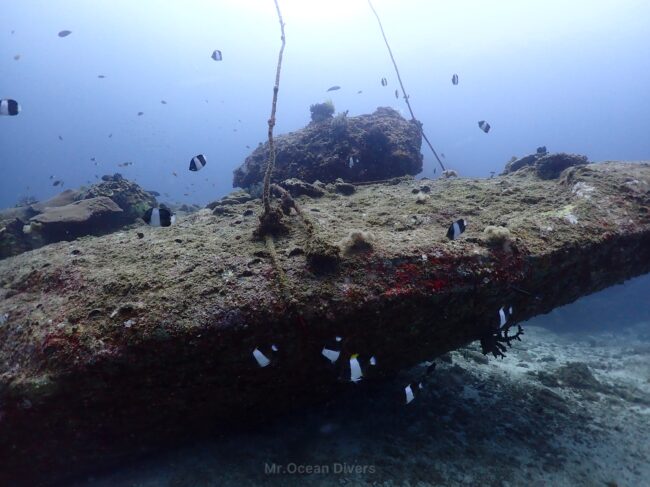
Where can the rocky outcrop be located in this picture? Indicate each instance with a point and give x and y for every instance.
(129, 196)
(99, 209)
(93, 216)
(372, 147)
(547, 166)
(111, 345)
(63, 198)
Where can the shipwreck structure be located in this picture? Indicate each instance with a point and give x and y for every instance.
(110, 345)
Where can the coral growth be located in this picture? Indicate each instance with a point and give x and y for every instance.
(321, 111)
(357, 241)
(495, 341)
(340, 124)
(494, 235)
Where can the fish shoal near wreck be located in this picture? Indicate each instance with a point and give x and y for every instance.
(111, 345)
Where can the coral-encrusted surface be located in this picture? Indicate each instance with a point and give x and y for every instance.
(109, 345)
(382, 145)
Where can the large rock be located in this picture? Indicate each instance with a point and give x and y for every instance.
(65, 217)
(63, 198)
(382, 145)
(93, 216)
(546, 166)
(111, 345)
(129, 196)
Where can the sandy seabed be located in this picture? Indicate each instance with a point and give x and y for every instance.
(568, 406)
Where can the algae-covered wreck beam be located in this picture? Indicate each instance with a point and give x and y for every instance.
(112, 344)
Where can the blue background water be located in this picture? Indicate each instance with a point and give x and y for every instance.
(569, 75)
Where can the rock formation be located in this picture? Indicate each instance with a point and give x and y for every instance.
(372, 147)
(99, 209)
(112, 345)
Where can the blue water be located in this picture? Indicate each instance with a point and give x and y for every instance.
(572, 76)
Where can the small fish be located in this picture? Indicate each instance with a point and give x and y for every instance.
(174, 174)
(331, 355)
(502, 317)
(158, 217)
(484, 126)
(110, 135)
(384, 82)
(248, 146)
(409, 393)
(140, 114)
(125, 164)
(92, 159)
(65, 33)
(334, 88)
(455, 229)
(359, 92)
(16, 57)
(355, 368)
(454, 79)
(57, 183)
(442, 154)
(101, 76)
(262, 360)
(216, 55)
(51, 177)
(163, 102)
(9, 107)
(60, 138)
(396, 94)
(197, 162)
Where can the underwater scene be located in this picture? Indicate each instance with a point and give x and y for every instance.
(324, 243)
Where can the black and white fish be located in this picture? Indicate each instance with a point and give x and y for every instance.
(355, 368)
(197, 162)
(65, 33)
(411, 391)
(57, 183)
(454, 79)
(484, 126)
(331, 351)
(159, 217)
(384, 82)
(9, 107)
(334, 88)
(455, 229)
(216, 55)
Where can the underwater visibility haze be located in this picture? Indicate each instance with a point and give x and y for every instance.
(305, 242)
(568, 75)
